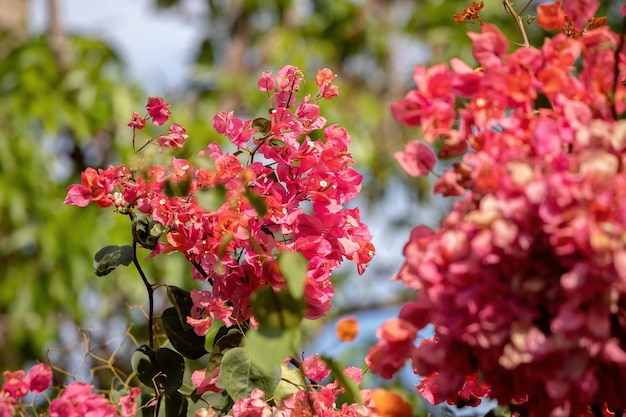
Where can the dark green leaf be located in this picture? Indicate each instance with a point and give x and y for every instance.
(144, 364)
(239, 377)
(110, 257)
(351, 387)
(146, 231)
(171, 368)
(185, 341)
(176, 405)
(162, 367)
(182, 302)
(277, 309)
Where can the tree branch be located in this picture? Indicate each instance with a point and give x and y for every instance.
(58, 38)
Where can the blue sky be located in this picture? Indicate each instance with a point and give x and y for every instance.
(157, 45)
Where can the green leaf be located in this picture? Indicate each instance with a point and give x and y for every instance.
(223, 344)
(239, 377)
(186, 341)
(177, 189)
(268, 348)
(276, 143)
(291, 381)
(219, 401)
(257, 202)
(210, 199)
(176, 405)
(162, 367)
(181, 300)
(262, 124)
(277, 309)
(351, 387)
(294, 267)
(110, 257)
(146, 231)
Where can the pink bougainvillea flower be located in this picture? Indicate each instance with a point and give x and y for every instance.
(489, 46)
(204, 384)
(15, 384)
(138, 121)
(176, 138)
(324, 80)
(78, 400)
(580, 11)
(158, 110)
(315, 368)
(39, 378)
(289, 78)
(417, 159)
(253, 406)
(128, 403)
(266, 82)
(78, 195)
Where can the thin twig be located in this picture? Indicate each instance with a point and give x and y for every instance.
(518, 20)
(150, 290)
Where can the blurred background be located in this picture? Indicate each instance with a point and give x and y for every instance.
(73, 71)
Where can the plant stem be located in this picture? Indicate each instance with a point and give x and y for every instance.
(200, 269)
(150, 290)
(518, 20)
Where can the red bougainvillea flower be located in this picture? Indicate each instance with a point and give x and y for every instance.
(158, 110)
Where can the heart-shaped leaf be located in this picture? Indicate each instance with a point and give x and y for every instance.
(161, 369)
(185, 341)
(239, 377)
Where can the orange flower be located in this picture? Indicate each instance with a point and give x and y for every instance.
(390, 404)
(347, 329)
(550, 16)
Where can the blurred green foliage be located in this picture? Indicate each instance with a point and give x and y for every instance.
(54, 124)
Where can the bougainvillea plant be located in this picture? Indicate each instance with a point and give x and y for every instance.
(525, 279)
(263, 227)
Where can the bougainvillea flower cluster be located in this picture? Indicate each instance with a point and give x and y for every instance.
(77, 399)
(284, 189)
(525, 279)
